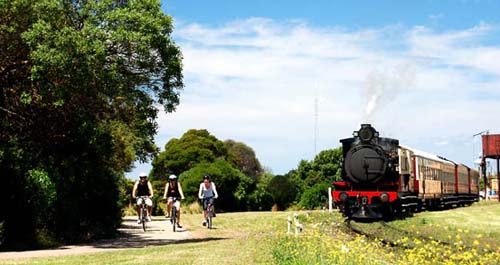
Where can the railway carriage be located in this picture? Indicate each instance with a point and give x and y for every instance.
(380, 177)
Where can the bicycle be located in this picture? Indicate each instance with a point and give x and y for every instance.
(173, 213)
(144, 211)
(210, 213)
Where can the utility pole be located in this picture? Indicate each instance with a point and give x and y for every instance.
(498, 178)
(483, 165)
(315, 124)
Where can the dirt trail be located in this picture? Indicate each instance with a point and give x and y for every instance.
(158, 232)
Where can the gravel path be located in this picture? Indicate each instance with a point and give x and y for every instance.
(158, 232)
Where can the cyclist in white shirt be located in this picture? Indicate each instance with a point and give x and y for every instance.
(207, 194)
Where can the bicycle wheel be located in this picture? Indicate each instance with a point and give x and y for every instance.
(209, 215)
(143, 218)
(174, 217)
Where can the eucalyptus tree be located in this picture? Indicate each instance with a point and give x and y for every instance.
(182, 154)
(243, 157)
(80, 87)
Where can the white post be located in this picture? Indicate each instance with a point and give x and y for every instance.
(289, 224)
(298, 226)
(330, 200)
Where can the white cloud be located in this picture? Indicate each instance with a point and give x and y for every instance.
(255, 81)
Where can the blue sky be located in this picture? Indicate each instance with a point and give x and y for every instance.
(424, 72)
(354, 14)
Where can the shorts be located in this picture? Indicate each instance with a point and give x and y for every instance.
(148, 201)
(206, 202)
(177, 203)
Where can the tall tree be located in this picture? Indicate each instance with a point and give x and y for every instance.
(79, 85)
(244, 158)
(194, 147)
(284, 190)
(325, 167)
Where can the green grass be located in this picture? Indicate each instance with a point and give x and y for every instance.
(260, 238)
(239, 238)
(479, 222)
(468, 235)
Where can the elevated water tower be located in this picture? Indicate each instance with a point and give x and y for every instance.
(491, 150)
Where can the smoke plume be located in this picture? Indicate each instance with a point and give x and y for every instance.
(383, 87)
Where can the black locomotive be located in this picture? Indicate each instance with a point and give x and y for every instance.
(380, 177)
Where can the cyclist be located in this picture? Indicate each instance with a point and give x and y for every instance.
(173, 189)
(207, 194)
(143, 187)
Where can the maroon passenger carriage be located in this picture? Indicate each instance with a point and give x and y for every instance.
(380, 177)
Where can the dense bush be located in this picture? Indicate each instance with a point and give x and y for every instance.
(284, 189)
(316, 196)
(314, 177)
(231, 184)
(1, 233)
(158, 201)
(126, 187)
(261, 199)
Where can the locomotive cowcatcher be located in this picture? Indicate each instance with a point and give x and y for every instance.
(380, 177)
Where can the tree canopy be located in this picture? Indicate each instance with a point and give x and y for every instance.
(325, 167)
(232, 185)
(232, 165)
(243, 157)
(80, 82)
(240, 179)
(194, 147)
(311, 180)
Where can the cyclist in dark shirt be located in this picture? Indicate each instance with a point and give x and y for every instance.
(173, 189)
(142, 188)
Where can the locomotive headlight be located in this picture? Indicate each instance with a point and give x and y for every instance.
(343, 196)
(384, 197)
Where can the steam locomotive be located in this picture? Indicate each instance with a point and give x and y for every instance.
(381, 178)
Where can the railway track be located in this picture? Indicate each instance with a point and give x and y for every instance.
(363, 233)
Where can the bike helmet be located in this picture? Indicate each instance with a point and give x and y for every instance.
(206, 177)
(172, 177)
(143, 175)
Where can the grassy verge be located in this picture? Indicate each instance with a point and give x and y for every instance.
(238, 238)
(471, 236)
(467, 235)
(477, 226)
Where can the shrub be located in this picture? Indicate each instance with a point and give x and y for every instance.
(316, 196)
(284, 190)
(1, 233)
(231, 184)
(193, 208)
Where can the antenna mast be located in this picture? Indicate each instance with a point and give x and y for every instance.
(316, 120)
